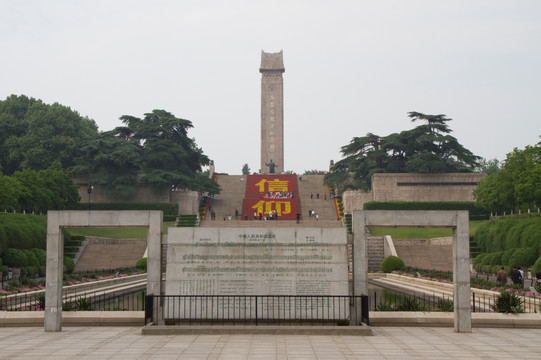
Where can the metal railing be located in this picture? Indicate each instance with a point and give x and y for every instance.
(94, 301)
(257, 309)
(401, 301)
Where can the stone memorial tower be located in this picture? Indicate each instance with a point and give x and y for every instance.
(272, 113)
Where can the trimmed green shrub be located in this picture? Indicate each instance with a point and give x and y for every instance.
(22, 231)
(496, 258)
(141, 264)
(167, 208)
(506, 256)
(14, 258)
(69, 265)
(509, 233)
(536, 266)
(480, 261)
(523, 257)
(41, 255)
(31, 258)
(391, 263)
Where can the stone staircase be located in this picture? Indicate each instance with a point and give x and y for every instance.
(230, 199)
(375, 252)
(309, 187)
(109, 254)
(233, 192)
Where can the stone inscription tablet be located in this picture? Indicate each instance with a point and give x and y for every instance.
(256, 261)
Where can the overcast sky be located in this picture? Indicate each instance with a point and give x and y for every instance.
(352, 67)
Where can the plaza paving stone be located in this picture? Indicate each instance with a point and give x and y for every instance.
(119, 343)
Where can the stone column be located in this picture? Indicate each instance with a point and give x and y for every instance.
(461, 272)
(360, 257)
(272, 113)
(54, 273)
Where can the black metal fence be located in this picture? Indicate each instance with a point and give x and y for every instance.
(399, 301)
(257, 310)
(95, 301)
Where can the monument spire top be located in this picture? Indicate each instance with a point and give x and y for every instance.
(272, 62)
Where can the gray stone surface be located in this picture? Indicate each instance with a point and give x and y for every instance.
(457, 220)
(124, 342)
(58, 220)
(272, 111)
(256, 261)
(414, 187)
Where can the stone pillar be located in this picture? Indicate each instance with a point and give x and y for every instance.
(360, 254)
(54, 273)
(272, 113)
(461, 273)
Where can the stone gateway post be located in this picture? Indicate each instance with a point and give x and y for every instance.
(272, 113)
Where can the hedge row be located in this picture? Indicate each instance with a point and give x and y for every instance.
(526, 258)
(477, 212)
(22, 231)
(167, 208)
(511, 233)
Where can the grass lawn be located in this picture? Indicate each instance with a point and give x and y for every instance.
(115, 233)
(422, 232)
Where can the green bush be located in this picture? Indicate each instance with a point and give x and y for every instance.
(410, 303)
(41, 255)
(524, 257)
(167, 208)
(31, 258)
(141, 264)
(14, 258)
(509, 233)
(22, 231)
(480, 261)
(69, 265)
(507, 255)
(446, 305)
(508, 302)
(536, 266)
(496, 258)
(391, 263)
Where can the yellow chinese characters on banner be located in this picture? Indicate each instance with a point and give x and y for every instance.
(281, 207)
(265, 185)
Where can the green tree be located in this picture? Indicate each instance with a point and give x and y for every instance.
(33, 134)
(59, 188)
(488, 166)
(515, 184)
(169, 157)
(11, 190)
(428, 148)
(111, 163)
(245, 169)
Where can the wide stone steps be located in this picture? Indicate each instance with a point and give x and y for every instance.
(233, 192)
(274, 223)
(309, 187)
(98, 257)
(230, 198)
(375, 252)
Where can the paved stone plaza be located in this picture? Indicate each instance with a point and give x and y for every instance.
(99, 343)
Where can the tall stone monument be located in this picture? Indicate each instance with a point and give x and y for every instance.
(272, 113)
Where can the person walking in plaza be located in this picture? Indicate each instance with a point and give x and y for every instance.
(515, 276)
(538, 277)
(501, 277)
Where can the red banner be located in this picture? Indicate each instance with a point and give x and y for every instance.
(267, 194)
